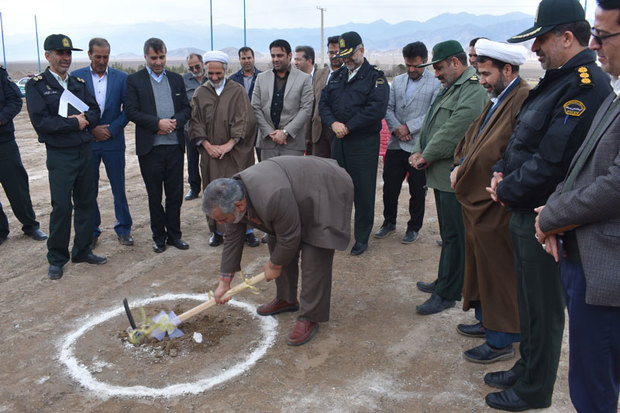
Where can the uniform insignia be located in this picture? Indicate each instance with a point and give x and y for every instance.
(79, 79)
(48, 87)
(475, 77)
(582, 69)
(584, 75)
(574, 108)
(380, 81)
(586, 81)
(65, 42)
(37, 78)
(342, 45)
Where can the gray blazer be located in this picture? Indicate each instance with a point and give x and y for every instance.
(594, 205)
(298, 101)
(412, 113)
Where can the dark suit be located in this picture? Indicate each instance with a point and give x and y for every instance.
(305, 202)
(589, 198)
(160, 164)
(112, 151)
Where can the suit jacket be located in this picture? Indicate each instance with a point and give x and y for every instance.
(141, 109)
(296, 111)
(113, 111)
(316, 126)
(298, 199)
(593, 205)
(411, 113)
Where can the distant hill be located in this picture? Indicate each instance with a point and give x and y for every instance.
(181, 38)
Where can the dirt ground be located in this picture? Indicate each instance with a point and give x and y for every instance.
(374, 355)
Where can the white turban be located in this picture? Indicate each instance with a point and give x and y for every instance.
(508, 53)
(216, 56)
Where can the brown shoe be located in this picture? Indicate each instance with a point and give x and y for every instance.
(302, 333)
(276, 306)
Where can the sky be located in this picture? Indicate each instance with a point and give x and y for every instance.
(63, 16)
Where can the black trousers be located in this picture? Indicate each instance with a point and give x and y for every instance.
(193, 168)
(161, 168)
(14, 180)
(72, 189)
(395, 169)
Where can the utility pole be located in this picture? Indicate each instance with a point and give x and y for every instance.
(323, 10)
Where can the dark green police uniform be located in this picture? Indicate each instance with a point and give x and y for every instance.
(549, 129)
(69, 163)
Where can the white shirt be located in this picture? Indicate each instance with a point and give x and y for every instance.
(64, 83)
(615, 82)
(159, 78)
(100, 84)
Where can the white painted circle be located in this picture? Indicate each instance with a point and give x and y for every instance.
(80, 373)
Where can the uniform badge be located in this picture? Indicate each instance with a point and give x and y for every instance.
(79, 79)
(380, 81)
(65, 42)
(475, 78)
(342, 45)
(582, 69)
(574, 108)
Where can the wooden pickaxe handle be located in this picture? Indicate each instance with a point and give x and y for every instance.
(236, 289)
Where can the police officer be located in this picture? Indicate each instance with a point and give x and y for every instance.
(352, 104)
(13, 176)
(550, 127)
(69, 159)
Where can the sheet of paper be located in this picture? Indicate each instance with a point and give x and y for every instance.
(67, 98)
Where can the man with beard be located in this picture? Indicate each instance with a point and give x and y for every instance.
(322, 134)
(353, 104)
(193, 79)
(246, 76)
(457, 105)
(67, 140)
(223, 128)
(489, 285)
(411, 95)
(157, 103)
(551, 125)
(305, 203)
(282, 103)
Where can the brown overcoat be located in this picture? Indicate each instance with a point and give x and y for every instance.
(217, 119)
(489, 263)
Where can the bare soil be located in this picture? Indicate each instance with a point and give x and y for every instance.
(374, 355)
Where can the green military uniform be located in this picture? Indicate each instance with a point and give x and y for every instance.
(69, 162)
(446, 122)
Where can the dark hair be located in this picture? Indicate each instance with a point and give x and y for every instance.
(497, 63)
(99, 42)
(415, 49)
(609, 5)
(308, 52)
(245, 49)
(580, 29)
(282, 44)
(156, 44)
(333, 39)
(462, 56)
(472, 42)
(196, 55)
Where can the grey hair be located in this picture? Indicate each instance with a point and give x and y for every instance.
(222, 193)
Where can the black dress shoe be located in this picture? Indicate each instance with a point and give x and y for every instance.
(191, 195)
(434, 305)
(37, 235)
(485, 354)
(358, 248)
(426, 287)
(501, 379)
(251, 240)
(385, 230)
(215, 240)
(90, 258)
(178, 243)
(506, 400)
(159, 247)
(410, 236)
(54, 272)
(125, 239)
(471, 330)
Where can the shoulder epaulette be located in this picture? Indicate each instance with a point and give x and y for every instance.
(475, 78)
(79, 79)
(37, 78)
(584, 76)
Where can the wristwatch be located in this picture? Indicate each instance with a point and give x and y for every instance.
(285, 132)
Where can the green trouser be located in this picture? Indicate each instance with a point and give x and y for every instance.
(71, 177)
(541, 314)
(452, 260)
(14, 180)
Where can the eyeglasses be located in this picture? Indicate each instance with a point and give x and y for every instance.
(598, 38)
(195, 67)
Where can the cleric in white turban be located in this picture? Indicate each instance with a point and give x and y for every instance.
(216, 56)
(504, 52)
